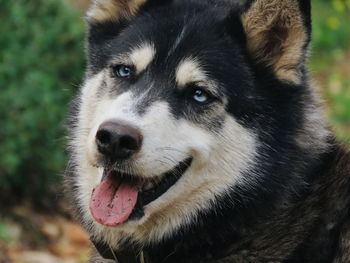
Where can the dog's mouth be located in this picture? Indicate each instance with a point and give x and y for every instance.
(121, 197)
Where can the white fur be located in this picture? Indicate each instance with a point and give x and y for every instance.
(177, 41)
(314, 133)
(219, 159)
(189, 70)
(142, 56)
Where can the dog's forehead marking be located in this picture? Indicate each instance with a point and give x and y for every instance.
(177, 41)
(188, 71)
(142, 56)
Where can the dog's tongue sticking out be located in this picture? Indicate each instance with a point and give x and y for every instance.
(113, 201)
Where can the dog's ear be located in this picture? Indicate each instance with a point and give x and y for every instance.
(277, 35)
(113, 10)
(106, 18)
(118, 10)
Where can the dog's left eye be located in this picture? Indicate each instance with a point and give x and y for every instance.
(123, 71)
(200, 96)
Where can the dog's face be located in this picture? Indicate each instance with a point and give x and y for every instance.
(173, 112)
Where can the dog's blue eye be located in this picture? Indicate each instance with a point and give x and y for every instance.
(122, 71)
(201, 96)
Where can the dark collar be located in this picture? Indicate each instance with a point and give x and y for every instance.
(120, 256)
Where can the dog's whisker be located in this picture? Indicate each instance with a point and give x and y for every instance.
(170, 149)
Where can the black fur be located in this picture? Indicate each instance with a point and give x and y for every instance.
(299, 209)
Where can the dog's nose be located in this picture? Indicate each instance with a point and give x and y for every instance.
(118, 140)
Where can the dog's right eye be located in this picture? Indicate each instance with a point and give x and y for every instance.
(122, 71)
(200, 96)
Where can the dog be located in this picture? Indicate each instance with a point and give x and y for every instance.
(198, 136)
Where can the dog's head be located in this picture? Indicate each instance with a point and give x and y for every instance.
(189, 107)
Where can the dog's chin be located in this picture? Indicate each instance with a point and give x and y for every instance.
(122, 196)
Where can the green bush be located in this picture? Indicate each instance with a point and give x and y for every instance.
(331, 30)
(41, 54)
(330, 59)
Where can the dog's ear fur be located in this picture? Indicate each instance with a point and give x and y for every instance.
(118, 10)
(277, 34)
(113, 10)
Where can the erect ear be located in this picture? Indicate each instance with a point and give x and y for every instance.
(116, 10)
(113, 10)
(278, 34)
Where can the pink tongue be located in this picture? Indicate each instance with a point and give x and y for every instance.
(112, 202)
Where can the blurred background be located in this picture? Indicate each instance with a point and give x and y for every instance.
(41, 67)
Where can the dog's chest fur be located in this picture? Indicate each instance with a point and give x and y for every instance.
(313, 227)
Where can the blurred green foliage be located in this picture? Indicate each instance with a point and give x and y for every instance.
(330, 60)
(3, 234)
(331, 30)
(41, 54)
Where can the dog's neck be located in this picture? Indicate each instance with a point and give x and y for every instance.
(278, 236)
(135, 255)
(131, 255)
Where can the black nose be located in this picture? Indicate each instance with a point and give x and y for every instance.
(118, 140)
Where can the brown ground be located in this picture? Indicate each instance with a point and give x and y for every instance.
(32, 237)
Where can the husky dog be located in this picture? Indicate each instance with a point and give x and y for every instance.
(198, 137)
